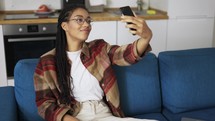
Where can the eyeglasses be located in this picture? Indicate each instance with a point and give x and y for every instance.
(82, 20)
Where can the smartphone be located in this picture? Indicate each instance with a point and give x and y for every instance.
(126, 10)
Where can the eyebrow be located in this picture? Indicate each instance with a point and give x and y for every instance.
(81, 16)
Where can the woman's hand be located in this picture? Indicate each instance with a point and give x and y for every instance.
(142, 30)
(139, 24)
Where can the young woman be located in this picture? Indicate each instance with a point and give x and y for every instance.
(75, 81)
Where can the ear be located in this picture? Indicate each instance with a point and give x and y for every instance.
(64, 26)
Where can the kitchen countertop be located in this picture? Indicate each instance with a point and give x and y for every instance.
(107, 15)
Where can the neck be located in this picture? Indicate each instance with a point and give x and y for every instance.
(75, 46)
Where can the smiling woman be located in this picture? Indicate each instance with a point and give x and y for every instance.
(78, 75)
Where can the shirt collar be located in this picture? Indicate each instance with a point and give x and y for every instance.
(85, 49)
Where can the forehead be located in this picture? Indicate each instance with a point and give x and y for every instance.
(80, 12)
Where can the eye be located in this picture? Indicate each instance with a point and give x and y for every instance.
(89, 20)
(80, 20)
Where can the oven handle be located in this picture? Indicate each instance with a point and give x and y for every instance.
(31, 39)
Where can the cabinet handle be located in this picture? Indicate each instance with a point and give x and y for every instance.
(31, 39)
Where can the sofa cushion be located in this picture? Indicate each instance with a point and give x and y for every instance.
(187, 79)
(199, 115)
(139, 86)
(8, 105)
(24, 90)
(152, 116)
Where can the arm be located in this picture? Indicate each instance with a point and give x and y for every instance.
(47, 94)
(142, 30)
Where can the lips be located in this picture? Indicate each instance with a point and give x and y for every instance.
(86, 30)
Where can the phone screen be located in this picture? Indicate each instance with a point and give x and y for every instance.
(126, 10)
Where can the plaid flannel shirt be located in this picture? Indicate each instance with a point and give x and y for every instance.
(97, 56)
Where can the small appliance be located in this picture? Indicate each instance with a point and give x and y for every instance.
(98, 8)
(69, 2)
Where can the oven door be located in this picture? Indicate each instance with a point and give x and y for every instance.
(25, 47)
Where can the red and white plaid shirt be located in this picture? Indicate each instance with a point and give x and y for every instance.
(98, 57)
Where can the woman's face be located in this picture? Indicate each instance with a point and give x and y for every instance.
(78, 27)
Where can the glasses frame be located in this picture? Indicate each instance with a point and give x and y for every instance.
(81, 20)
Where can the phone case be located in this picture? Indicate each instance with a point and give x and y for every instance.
(126, 10)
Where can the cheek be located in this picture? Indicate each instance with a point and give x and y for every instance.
(73, 29)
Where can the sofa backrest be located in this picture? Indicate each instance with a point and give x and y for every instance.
(187, 79)
(24, 90)
(139, 86)
(8, 105)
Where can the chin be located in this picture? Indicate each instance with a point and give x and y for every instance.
(85, 38)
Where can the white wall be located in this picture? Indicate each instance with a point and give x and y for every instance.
(214, 35)
(3, 74)
(29, 4)
(119, 3)
(214, 31)
(54, 4)
(159, 4)
(2, 4)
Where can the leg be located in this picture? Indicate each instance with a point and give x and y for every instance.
(113, 118)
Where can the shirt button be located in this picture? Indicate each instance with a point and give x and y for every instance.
(103, 85)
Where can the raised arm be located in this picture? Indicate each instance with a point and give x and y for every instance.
(142, 30)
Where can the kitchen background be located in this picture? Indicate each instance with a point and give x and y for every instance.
(56, 4)
(191, 24)
(164, 5)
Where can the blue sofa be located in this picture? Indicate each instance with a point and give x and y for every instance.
(174, 85)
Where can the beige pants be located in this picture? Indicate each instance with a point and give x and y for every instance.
(99, 111)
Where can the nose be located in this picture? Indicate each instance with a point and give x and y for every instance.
(86, 23)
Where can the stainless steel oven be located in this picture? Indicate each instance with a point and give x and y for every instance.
(27, 41)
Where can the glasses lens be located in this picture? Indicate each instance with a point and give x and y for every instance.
(89, 20)
(80, 20)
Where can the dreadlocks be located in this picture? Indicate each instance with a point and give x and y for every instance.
(63, 71)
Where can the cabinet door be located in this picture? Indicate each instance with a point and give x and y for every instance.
(3, 74)
(194, 8)
(190, 33)
(104, 30)
(158, 41)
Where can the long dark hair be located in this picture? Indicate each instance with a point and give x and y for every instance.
(62, 64)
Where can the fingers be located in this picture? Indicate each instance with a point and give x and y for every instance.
(139, 25)
(134, 14)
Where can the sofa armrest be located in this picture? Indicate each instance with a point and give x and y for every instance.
(8, 104)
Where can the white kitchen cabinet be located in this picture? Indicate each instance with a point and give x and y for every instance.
(158, 41)
(176, 8)
(190, 24)
(191, 8)
(190, 33)
(103, 30)
(190, 27)
(3, 74)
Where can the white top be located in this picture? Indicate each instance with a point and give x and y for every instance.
(86, 86)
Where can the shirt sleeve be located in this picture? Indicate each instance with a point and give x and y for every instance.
(126, 54)
(47, 101)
